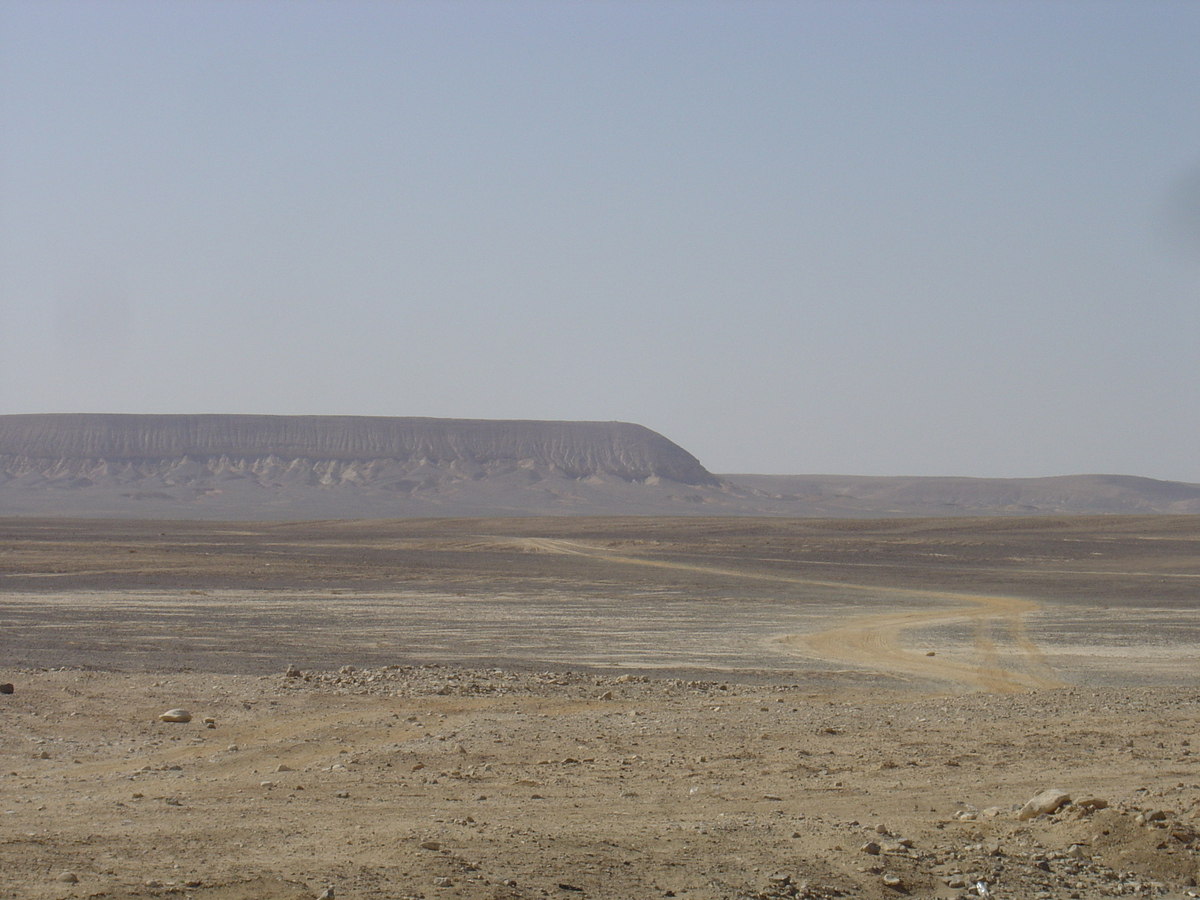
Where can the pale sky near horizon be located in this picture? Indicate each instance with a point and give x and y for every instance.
(876, 238)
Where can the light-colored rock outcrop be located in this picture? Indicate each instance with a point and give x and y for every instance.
(1044, 803)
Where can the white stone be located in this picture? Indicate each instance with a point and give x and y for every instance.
(1048, 801)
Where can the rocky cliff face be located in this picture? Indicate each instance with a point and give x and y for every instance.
(326, 467)
(577, 449)
(240, 463)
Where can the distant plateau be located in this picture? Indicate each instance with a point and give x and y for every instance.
(243, 467)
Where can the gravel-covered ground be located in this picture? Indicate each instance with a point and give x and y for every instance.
(837, 712)
(448, 782)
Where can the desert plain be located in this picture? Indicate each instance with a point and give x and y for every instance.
(525, 708)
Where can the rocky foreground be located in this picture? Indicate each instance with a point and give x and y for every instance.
(435, 782)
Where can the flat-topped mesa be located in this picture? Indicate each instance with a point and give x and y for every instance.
(576, 449)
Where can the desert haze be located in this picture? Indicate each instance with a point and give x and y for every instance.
(731, 707)
(319, 467)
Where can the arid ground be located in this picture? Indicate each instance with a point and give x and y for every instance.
(529, 708)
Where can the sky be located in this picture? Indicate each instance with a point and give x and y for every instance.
(873, 238)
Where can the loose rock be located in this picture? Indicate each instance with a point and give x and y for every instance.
(1048, 801)
(176, 715)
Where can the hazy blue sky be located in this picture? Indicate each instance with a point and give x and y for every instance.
(956, 238)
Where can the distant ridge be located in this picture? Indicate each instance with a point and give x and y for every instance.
(313, 467)
(578, 449)
(864, 495)
(323, 467)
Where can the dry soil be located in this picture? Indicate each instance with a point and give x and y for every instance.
(565, 708)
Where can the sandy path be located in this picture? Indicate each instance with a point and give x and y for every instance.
(872, 641)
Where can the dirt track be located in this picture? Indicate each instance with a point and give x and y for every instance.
(515, 710)
(873, 641)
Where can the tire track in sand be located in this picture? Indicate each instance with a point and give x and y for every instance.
(872, 641)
